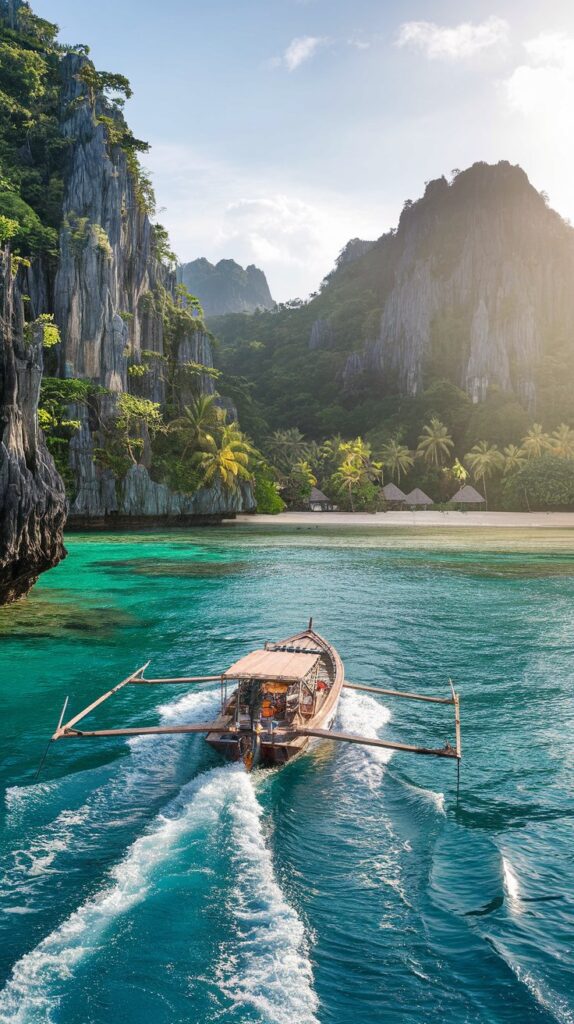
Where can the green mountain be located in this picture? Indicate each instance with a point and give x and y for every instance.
(465, 310)
(226, 287)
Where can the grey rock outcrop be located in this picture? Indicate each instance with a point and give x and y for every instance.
(140, 495)
(108, 305)
(32, 496)
(226, 287)
(480, 267)
(321, 335)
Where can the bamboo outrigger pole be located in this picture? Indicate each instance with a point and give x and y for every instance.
(367, 741)
(62, 729)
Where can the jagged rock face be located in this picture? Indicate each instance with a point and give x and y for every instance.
(485, 260)
(104, 304)
(321, 335)
(226, 287)
(140, 495)
(106, 265)
(32, 496)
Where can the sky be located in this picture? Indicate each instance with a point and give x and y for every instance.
(280, 129)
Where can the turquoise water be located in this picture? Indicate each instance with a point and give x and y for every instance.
(145, 881)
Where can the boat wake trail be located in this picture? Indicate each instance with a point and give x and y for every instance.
(366, 716)
(265, 966)
(115, 795)
(39, 978)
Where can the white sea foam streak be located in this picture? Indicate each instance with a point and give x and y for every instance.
(270, 967)
(265, 966)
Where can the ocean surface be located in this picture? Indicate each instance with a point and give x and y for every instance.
(146, 882)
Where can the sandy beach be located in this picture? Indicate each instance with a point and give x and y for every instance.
(382, 520)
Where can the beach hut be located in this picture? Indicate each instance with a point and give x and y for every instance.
(418, 498)
(319, 502)
(467, 497)
(393, 496)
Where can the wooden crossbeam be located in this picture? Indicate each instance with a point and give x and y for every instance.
(346, 737)
(82, 714)
(145, 730)
(398, 693)
(176, 679)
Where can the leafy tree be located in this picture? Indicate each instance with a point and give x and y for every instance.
(348, 478)
(562, 441)
(225, 459)
(287, 447)
(484, 460)
(297, 483)
(197, 424)
(543, 483)
(536, 442)
(397, 458)
(514, 459)
(266, 491)
(435, 443)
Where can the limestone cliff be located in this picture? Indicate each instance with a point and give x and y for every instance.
(32, 497)
(474, 285)
(108, 305)
(226, 287)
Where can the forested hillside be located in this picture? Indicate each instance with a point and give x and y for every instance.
(469, 301)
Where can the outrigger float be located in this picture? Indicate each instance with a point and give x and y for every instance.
(281, 697)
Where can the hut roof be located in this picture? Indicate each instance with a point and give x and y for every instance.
(393, 493)
(467, 495)
(317, 495)
(418, 497)
(286, 665)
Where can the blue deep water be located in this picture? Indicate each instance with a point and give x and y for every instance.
(143, 881)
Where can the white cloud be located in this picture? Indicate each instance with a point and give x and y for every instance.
(216, 210)
(545, 84)
(302, 49)
(459, 42)
(274, 229)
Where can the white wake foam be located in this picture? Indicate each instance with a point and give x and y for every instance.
(266, 965)
(152, 757)
(38, 979)
(511, 886)
(359, 713)
(267, 968)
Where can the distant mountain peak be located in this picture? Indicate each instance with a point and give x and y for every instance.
(226, 287)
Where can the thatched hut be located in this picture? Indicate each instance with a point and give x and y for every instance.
(394, 497)
(418, 499)
(319, 502)
(468, 497)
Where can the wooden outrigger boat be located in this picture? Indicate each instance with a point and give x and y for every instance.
(281, 697)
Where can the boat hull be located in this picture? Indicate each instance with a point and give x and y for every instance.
(274, 752)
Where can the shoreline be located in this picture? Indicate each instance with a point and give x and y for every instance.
(384, 520)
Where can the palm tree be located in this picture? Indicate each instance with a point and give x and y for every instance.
(435, 443)
(358, 452)
(562, 441)
(397, 458)
(197, 422)
(483, 460)
(330, 449)
(514, 458)
(226, 460)
(348, 476)
(535, 442)
(287, 447)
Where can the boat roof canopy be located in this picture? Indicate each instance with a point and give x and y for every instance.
(285, 665)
